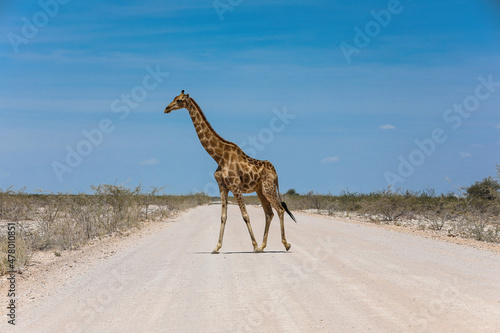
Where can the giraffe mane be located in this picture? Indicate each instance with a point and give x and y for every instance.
(210, 126)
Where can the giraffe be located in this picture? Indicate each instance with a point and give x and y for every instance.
(238, 173)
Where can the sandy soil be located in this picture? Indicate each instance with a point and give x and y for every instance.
(338, 277)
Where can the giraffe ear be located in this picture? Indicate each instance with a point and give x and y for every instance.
(187, 96)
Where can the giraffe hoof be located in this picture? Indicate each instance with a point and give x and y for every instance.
(215, 252)
(288, 246)
(258, 250)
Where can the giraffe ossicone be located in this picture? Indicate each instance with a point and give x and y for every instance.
(237, 172)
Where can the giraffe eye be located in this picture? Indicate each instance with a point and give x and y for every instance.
(179, 100)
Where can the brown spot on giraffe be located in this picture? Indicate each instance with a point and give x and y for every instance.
(236, 172)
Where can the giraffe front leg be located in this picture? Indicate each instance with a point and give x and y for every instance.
(223, 219)
(223, 215)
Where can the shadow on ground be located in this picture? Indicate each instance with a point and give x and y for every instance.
(243, 252)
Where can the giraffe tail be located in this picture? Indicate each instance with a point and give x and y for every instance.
(288, 211)
(283, 204)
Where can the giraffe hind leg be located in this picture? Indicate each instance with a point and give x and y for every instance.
(268, 210)
(271, 195)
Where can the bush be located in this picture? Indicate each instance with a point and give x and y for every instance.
(67, 221)
(388, 204)
(486, 189)
(13, 207)
(22, 254)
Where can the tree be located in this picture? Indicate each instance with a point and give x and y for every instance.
(486, 189)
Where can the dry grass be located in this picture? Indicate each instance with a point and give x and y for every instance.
(48, 221)
(460, 216)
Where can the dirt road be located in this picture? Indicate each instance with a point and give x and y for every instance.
(337, 277)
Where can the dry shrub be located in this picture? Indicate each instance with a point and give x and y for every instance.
(22, 253)
(461, 215)
(66, 221)
(13, 205)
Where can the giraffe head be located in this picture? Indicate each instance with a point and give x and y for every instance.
(179, 102)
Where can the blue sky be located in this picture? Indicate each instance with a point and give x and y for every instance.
(336, 94)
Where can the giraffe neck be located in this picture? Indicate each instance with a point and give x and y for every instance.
(213, 143)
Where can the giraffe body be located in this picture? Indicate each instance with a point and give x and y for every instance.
(237, 173)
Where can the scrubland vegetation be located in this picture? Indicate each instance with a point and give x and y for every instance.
(468, 217)
(49, 221)
(470, 212)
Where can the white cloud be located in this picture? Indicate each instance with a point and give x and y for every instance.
(465, 155)
(387, 127)
(151, 161)
(331, 159)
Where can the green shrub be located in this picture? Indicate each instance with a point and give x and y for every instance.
(486, 189)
